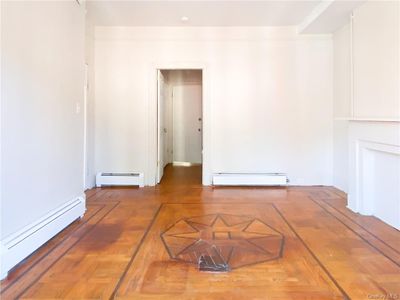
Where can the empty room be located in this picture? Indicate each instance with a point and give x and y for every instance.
(200, 149)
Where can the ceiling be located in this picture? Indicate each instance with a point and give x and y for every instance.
(200, 13)
(329, 16)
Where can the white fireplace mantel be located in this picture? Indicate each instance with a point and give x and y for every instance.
(374, 170)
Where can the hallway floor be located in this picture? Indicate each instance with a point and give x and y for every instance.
(122, 248)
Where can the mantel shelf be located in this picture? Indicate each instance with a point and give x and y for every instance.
(352, 119)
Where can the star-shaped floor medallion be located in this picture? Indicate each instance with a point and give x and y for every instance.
(237, 240)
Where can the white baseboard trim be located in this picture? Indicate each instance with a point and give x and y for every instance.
(16, 247)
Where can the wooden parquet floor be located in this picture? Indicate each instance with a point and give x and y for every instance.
(116, 250)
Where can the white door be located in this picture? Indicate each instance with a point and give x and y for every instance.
(167, 125)
(187, 123)
(160, 126)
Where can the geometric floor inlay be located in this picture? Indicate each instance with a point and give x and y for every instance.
(236, 240)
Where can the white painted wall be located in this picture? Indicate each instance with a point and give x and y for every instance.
(268, 88)
(90, 118)
(367, 110)
(341, 105)
(342, 72)
(376, 60)
(42, 70)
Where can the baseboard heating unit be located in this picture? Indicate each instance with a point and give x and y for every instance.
(17, 246)
(250, 179)
(120, 179)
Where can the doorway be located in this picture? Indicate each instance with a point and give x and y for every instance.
(180, 119)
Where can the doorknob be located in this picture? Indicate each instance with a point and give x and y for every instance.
(200, 119)
(199, 129)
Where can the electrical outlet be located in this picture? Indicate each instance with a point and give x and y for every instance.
(77, 108)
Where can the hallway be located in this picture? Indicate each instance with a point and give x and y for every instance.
(118, 250)
(181, 176)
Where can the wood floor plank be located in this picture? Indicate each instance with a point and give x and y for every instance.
(358, 267)
(42, 266)
(116, 251)
(389, 235)
(43, 251)
(370, 238)
(92, 268)
(295, 275)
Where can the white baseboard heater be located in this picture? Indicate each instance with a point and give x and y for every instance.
(250, 179)
(120, 179)
(16, 247)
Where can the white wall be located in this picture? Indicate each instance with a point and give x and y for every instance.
(268, 88)
(376, 60)
(42, 63)
(341, 105)
(90, 119)
(367, 110)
